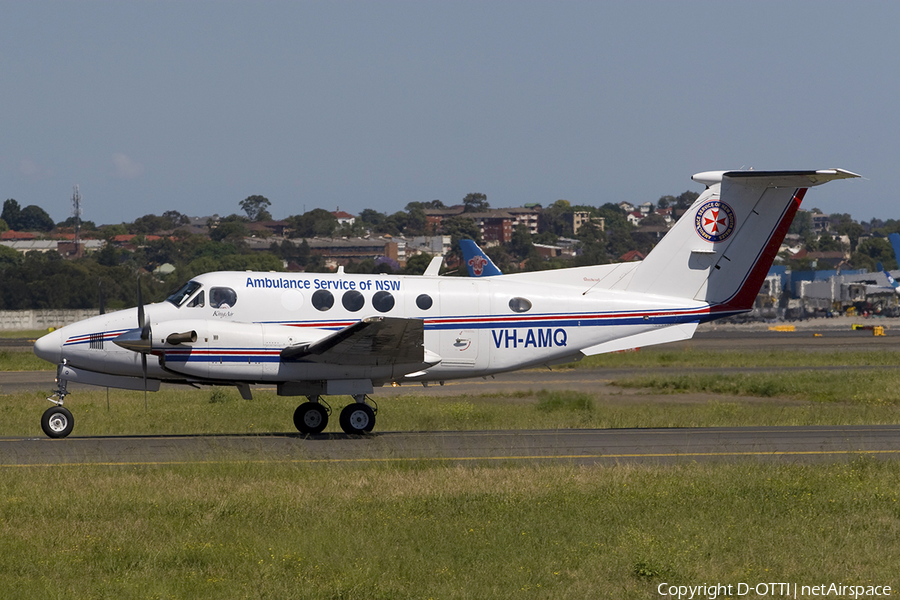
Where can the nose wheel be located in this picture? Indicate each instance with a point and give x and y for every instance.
(57, 422)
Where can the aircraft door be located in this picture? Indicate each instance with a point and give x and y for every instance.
(462, 302)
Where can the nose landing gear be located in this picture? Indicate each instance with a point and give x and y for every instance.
(57, 421)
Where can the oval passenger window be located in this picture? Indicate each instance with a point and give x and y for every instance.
(519, 305)
(424, 301)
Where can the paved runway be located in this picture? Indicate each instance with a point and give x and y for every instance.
(792, 444)
(612, 446)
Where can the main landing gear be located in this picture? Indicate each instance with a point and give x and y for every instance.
(356, 418)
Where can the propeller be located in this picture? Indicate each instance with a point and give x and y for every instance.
(144, 324)
(138, 340)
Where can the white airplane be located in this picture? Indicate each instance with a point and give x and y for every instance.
(315, 334)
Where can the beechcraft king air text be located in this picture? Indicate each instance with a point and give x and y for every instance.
(317, 335)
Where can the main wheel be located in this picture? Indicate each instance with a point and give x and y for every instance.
(357, 418)
(57, 422)
(310, 417)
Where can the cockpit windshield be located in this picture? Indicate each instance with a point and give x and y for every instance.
(179, 297)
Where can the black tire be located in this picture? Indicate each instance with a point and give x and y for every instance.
(357, 418)
(310, 417)
(57, 422)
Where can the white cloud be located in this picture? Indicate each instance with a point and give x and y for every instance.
(126, 168)
(32, 170)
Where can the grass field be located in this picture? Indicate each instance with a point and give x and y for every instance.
(425, 530)
(401, 531)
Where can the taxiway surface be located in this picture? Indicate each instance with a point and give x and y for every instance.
(611, 446)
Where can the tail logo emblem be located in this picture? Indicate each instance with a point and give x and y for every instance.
(477, 263)
(715, 221)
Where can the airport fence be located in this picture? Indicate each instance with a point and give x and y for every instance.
(23, 320)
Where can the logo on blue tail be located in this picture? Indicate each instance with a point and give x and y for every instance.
(476, 260)
(714, 221)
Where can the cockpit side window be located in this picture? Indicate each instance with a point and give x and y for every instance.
(198, 300)
(186, 291)
(222, 297)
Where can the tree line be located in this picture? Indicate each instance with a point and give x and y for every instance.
(109, 276)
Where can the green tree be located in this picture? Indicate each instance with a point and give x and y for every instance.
(843, 224)
(316, 223)
(232, 229)
(521, 245)
(10, 214)
(879, 250)
(256, 208)
(176, 218)
(417, 222)
(476, 202)
(35, 218)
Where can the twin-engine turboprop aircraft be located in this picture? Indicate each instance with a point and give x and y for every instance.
(315, 335)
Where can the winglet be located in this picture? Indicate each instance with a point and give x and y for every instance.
(477, 262)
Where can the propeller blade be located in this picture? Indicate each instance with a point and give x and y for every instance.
(144, 367)
(140, 306)
(143, 321)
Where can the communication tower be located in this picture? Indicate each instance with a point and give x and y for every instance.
(76, 212)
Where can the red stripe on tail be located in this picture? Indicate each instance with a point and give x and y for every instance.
(746, 295)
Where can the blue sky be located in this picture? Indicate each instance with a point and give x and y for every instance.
(193, 106)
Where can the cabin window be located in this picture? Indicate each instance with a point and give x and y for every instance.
(383, 301)
(519, 305)
(323, 300)
(424, 301)
(353, 300)
(185, 292)
(198, 301)
(222, 297)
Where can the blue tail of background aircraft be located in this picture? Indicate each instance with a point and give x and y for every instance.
(895, 242)
(477, 261)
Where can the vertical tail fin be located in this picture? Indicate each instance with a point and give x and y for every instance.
(478, 263)
(720, 250)
(895, 244)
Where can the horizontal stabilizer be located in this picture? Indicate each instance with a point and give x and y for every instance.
(373, 341)
(674, 333)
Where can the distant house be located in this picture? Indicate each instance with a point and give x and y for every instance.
(631, 256)
(276, 228)
(666, 213)
(634, 217)
(344, 218)
(645, 208)
(626, 206)
(16, 236)
(527, 216)
(435, 216)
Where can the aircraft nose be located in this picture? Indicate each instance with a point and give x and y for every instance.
(49, 347)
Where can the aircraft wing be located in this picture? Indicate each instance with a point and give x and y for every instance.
(373, 341)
